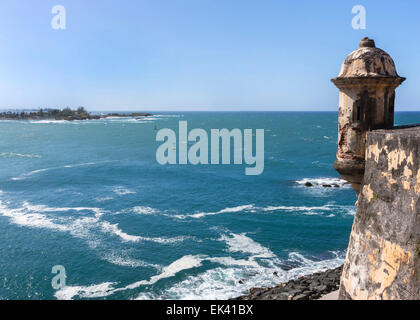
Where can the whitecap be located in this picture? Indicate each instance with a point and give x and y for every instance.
(82, 227)
(184, 263)
(19, 155)
(229, 261)
(103, 199)
(316, 210)
(225, 283)
(244, 244)
(31, 173)
(145, 210)
(319, 182)
(122, 259)
(93, 291)
(217, 283)
(108, 288)
(34, 216)
(204, 214)
(122, 191)
(48, 121)
(20, 217)
(115, 230)
(26, 175)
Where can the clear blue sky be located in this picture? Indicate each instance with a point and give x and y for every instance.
(196, 54)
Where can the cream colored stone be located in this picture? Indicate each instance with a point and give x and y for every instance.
(373, 152)
(417, 186)
(368, 192)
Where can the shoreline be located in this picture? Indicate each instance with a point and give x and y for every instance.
(310, 287)
(67, 115)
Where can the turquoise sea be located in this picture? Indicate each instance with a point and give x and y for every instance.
(90, 196)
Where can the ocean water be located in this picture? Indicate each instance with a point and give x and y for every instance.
(90, 196)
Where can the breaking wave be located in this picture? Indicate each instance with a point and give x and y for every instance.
(226, 210)
(122, 191)
(123, 260)
(145, 210)
(225, 283)
(320, 182)
(328, 209)
(31, 173)
(88, 226)
(233, 277)
(19, 155)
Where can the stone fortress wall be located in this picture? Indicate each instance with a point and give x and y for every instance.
(383, 164)
(383, 257)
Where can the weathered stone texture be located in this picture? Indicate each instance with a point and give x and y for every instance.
(383, 258)
(367, 83)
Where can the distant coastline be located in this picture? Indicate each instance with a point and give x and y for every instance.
(64, 114)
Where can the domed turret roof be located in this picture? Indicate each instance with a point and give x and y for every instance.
(368, 61)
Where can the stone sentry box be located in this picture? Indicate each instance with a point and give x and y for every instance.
(367, 83)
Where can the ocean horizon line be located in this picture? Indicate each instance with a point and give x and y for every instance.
(201, 111)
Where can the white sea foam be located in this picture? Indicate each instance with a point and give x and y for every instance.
(122, 191)
(244, 244)
(42, 208)
(250, 208)
(31, 173)
(103, 199)
(79, 165)
(168, 116)
(316, 210)
(26, 175)
(94, 291)
(48, 121)
(184, 263)
(298, 208)
(21, 217)
(229, 261)
(145, 210)
(108, 288)
(115, 230)
(122, 259)
(241, 275)
(204, 214)
(308, 266)
(19, 155)
(225, 283)
(213, 284)
(37, 216)
(319, 182)
(234, 279)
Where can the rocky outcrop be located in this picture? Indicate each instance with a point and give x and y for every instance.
(66, 114)
(311, 287)
(383, 257)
